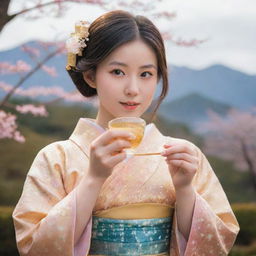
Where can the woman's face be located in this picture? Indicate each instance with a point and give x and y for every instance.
(126, 81)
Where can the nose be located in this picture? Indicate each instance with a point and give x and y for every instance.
(132, 87)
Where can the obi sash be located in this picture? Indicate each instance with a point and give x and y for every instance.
(117, 237)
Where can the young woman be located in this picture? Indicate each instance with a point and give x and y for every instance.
(82, 196)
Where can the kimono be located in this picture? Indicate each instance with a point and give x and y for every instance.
(139, 188)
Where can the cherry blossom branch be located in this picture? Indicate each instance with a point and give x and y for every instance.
(56, 2)
(21, 81)
(20, 67)
(6, 18)
(32, 109)
(55, 91)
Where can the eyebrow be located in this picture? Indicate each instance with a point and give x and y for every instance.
(113, 63)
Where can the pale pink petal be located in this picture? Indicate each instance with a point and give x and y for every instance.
(34, 110)
(31, 50)
(8, 127)
(50, 70)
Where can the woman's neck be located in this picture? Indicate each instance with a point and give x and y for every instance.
(103, 120)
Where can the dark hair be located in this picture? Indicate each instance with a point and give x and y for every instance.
(110, 31)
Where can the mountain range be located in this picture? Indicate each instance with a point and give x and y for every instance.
(191, 94)
(216, 82)
(192, 110)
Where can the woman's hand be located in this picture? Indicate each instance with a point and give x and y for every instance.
(183, 163)
(106, 152)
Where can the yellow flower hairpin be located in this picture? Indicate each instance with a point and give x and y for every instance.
(76, 43)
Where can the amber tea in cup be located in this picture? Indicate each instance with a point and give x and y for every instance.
(134, 125)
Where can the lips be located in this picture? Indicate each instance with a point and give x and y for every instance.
(130, 105)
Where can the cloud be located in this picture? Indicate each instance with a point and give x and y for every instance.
(229, 25)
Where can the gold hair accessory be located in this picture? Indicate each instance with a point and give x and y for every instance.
(76, 43)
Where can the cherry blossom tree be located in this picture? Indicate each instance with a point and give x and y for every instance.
(58, 8)
(54, 7)
(233, 138)
(34, 9)
(8, 125)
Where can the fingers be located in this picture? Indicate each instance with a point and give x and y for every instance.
(182, 156)
(110, 161)
(114, 160)
(117, 146)
(178, 148)
(183, 165)
(112, 135)
(109, 144)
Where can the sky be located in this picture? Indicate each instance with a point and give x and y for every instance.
(229, 26)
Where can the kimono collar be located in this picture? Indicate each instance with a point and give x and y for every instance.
(88, 130)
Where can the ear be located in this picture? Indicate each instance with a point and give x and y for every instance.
(89, 77)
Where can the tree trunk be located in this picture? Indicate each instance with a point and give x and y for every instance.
(4, 17)
(251, 167)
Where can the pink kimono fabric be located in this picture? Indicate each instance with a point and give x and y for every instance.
(45, 215)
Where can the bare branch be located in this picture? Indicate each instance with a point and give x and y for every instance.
(252, 170)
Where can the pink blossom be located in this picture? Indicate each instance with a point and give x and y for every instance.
(8, 127)
(61, 46)
(20, 67)
(19, 137)
(166, 35)
(58, 45)
(34, 110)
(46, 45)
(5, 87)
(31, 50)
(189, 43)
(46, 91)
(165, 14)
(50, 70)
(75, 44)
(228, 137)
(4, 67)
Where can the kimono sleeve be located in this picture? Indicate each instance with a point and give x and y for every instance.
(45, 215)
(214, 227)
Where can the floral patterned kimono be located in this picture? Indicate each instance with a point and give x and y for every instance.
(138, 193)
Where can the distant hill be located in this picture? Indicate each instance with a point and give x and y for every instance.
(191, 109)
(217, 82)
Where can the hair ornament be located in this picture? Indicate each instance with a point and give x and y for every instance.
(76, 43)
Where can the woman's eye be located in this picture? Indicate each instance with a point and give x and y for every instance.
(146, 74)
(117, 72)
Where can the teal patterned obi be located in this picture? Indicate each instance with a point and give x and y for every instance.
(130, 237)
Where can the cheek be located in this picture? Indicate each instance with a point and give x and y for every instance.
(103, 84)
(107, 90)
(149, 91)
